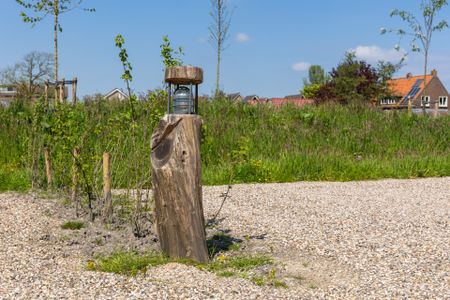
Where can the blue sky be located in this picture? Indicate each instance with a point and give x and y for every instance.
(272, 42)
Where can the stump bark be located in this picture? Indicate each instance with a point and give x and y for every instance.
(176, 178)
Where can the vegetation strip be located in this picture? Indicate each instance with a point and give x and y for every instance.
(132, 263)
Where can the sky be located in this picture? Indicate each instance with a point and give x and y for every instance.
(271, 45)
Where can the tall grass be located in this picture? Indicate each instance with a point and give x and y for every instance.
(329, 142)
(240, 143)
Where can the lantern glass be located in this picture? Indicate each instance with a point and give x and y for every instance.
(183, 101)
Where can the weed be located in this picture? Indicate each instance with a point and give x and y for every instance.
(99, 241)
(131, 263)
(73, 225)
(127, 263)
(226, 274)
(312, 286)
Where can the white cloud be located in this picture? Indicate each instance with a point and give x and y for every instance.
(301, 66)
(242, 37)
(375, 54)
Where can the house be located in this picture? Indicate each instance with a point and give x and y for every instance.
(252, 99)
(415, 89)
(116, 94)
(235, 97)
(297, 96)
(297, 102)
(7, 94)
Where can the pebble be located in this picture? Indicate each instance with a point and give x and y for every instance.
(387, 239)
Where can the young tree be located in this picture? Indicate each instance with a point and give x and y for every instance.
(421, 30)
(316, 76)
(39, 9)
(171, 57)
(386, 71)
(316, 79)
(34, 69)
(219, 32)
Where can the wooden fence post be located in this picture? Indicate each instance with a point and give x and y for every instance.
(409, 106)
(176, 178)
(107, 201)
(46, 86)
(56, 87)
(74, 195)
(48, 167)
(74, 91)
(62, 87)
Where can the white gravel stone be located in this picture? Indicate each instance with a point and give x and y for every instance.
(387, 239)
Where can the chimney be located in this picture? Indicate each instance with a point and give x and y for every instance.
(409, 75)
(434, 73)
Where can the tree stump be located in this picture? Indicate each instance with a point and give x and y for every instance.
(176, 178)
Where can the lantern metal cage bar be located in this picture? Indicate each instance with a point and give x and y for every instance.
(192, 106)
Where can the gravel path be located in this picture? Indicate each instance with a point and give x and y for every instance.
(356, 240)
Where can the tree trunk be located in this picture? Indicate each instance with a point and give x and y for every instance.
(176, 178)
(424, 111)
(55, 38)
(218, 73)
(74, 196)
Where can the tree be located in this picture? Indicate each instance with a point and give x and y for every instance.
(40, 9)
(352, 81)
(386, 71)
(316, 76)
(219, 32)
(421, 31)
(316, 79)
(28, 74)
(171, 57)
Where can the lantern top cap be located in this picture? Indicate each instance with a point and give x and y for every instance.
(184, 75)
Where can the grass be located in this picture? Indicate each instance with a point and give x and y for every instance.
(132, 263)
(240, 143)
(14, 179)
(73, 225)
(127, 263)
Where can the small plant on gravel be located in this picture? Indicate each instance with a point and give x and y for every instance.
(132, 263)
(73, 225)
(127, 263)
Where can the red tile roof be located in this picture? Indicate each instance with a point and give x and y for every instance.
(299, 102)
(402, 86)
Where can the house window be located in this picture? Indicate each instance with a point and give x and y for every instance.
(387, 101)
(426, 100)
(443, 101)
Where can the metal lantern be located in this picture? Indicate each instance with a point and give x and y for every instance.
(182, 82)
(183, 101)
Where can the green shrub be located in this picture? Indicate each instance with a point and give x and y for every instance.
(73, 225)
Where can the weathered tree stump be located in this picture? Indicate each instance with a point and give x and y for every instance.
(176, 177)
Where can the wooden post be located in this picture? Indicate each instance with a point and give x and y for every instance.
(176, 178)
(46, 92)
(48, 167)
(409, 106)
(74, 90)
(107, 201)
(74, 195)
(34, 164)
(62, 87)
(56, 87)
